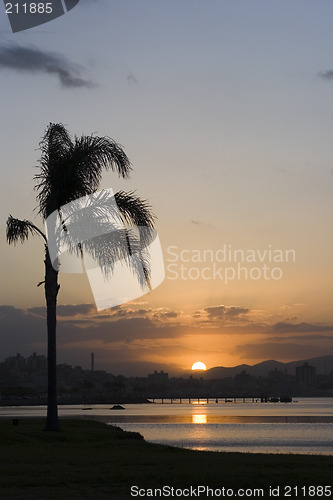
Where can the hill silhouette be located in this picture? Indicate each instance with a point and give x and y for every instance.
(323, 365)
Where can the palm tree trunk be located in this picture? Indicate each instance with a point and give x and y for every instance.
(51, 292)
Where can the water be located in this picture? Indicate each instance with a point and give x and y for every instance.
(305, 426)
(255, 438)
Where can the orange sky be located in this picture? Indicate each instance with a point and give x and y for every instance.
(225, 111)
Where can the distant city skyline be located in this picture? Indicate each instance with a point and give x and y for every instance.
(225, 111)
(323, 366)
(269, 381)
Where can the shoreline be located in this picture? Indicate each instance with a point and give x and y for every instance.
(71, 402)
(92, 460)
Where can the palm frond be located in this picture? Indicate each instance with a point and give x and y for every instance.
(19, 230)
(138, 216)
(73, 169)
(134, 210)
(101, 152)
(101, 213)
(94, 225)
(56, 142)
(108, 249)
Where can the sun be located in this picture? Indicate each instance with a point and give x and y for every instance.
(199, 366)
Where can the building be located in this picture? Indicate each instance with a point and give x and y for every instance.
(306, 375)
(36, 362)
(16, 363)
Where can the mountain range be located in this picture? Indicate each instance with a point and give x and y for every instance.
(323, 365)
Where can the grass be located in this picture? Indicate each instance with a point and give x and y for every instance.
(90, 460)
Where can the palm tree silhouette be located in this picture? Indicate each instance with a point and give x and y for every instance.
(69, 170)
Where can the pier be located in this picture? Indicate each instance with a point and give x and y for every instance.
(209, 399)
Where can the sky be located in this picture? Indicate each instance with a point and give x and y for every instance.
(225, 110)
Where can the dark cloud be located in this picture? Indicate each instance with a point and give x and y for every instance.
(281, 351)
(21, 332)
(132, 79)
(33, 60)
(225, 311)
(126, 312)
(165, 314)
(285, 327)
(301, 338)
(127, 330)
(326, 75)
(236, 311)
(215, 311)
(6, 311)
(74, 310)
(116, 340)
(66, 310)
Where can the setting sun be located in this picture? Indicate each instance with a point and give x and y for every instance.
(199, 366)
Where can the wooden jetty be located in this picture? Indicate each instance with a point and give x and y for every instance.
(209, 399)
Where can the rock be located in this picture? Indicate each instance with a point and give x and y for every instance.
(117, 407)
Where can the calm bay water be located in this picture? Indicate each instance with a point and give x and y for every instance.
(303, 426)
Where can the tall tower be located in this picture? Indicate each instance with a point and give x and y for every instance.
(92, 361)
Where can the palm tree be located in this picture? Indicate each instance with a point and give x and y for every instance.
(70, 169)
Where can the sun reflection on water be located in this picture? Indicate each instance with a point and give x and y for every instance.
(199, 419)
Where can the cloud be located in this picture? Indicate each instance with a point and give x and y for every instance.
(284, 327)
(301, 338)
(132, 339)
(280, 351)
(33, 60)
(65, 310)
(20, 331)
(165, 314)
(225, 311)
(131, 78)
(326, 75)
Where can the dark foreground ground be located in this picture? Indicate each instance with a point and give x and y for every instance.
(90, 460)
